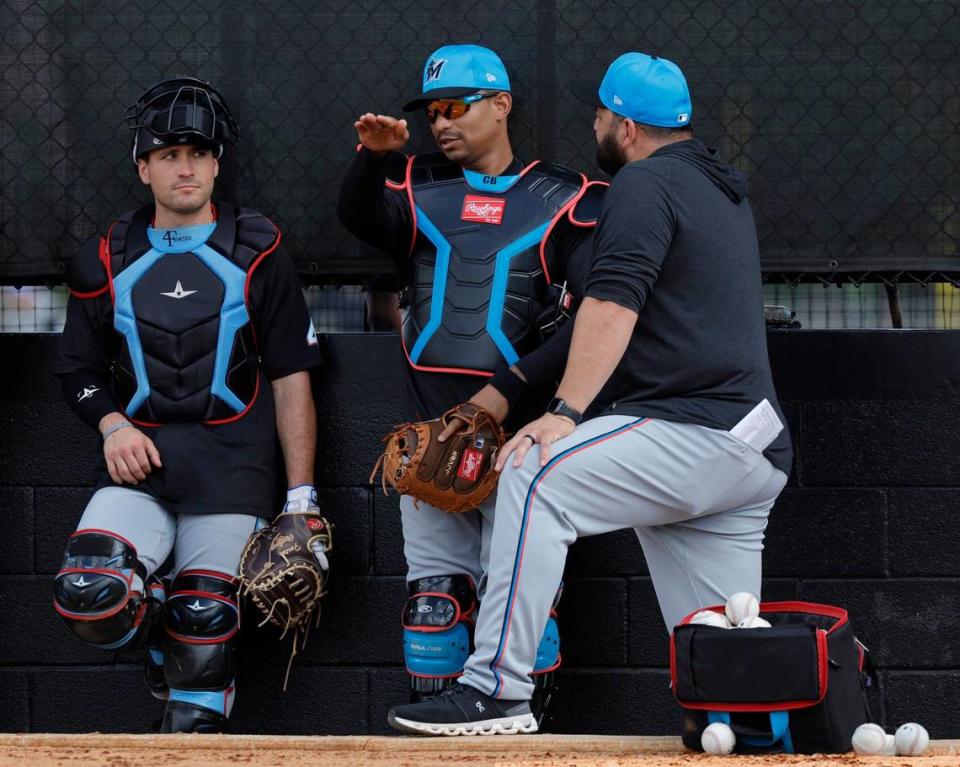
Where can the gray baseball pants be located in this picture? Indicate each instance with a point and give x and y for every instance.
(198, 541)
(698, 499)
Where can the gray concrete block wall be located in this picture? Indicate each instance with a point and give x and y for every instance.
(869, 521)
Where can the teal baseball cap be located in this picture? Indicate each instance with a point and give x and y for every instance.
(459, 70)
(647, 89)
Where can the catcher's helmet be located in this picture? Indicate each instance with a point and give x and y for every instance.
(183, 110)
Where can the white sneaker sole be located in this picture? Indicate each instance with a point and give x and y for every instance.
(509, 725)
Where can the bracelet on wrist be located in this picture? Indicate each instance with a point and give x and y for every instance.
(115, 427)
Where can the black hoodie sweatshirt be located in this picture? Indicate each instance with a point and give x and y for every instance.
(677, 243)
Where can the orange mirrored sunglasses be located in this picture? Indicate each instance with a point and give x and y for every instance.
(451, 109)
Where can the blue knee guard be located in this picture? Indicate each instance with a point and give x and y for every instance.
(100, 595)
(437, 631)
(548, 651)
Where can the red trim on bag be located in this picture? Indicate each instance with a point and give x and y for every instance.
(813, 608)
(823, 677)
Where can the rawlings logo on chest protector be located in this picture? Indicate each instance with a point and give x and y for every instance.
(485, 210)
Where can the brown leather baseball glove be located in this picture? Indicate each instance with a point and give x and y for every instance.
(455, 475)
(284, 568)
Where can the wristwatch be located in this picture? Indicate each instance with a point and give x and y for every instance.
(558, 406)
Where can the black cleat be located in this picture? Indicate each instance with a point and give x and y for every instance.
(184, 717)
(463, 710)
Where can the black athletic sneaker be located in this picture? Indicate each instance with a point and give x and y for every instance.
(463, 710)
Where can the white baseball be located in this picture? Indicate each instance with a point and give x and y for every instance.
(710, 618)
(718, 738)
(869, 739)
(755, 622)
(911, 739)
(742, 605)
(889, 746)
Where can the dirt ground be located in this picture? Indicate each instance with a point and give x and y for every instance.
(362, 751)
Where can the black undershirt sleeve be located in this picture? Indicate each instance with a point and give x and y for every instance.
(285, 338)
(85, 358)
(372, 212)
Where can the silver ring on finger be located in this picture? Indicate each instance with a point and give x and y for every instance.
(530, 437)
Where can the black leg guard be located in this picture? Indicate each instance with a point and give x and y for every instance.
(437, 632)
(153, 672)
(201, 622)
(100, 595)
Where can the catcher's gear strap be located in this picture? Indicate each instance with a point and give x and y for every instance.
(437, 626)
(201, 620)
(99, 590)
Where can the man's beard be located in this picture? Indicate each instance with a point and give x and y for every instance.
(609, 155)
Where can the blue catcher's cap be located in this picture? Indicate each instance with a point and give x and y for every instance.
(459, 70)
(645, 88)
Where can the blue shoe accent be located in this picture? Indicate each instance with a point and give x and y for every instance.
(548, 651)
(220, 701)
(484, 183)
(156, 656)
(440, 270)
(182, 240)
(436, 653)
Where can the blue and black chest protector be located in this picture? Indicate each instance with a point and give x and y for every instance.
(481, 265)
(181, 307)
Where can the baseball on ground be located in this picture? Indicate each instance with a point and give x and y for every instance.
(911, 739)
(869, 739)
(718, 738)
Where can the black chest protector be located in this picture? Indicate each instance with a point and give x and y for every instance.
(481, 270)
(181, 308)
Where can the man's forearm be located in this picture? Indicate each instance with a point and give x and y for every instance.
(601, 333)
(296, 426)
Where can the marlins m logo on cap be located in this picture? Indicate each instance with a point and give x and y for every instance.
(434, 68)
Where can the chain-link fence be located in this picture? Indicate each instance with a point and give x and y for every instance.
(846, 114)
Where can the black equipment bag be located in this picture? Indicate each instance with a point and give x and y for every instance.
(796, 687)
